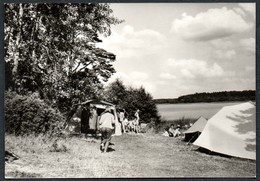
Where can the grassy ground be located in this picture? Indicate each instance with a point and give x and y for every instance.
(131, 155)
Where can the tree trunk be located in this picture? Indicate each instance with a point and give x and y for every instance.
(18, 40)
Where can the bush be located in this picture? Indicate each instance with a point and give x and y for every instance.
(30, 115)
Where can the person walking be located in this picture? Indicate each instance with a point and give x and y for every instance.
(107, 120)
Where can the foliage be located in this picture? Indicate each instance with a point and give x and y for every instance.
(30, 115)
(131, 99)
(52, 49)
(245, 95)
(116, 93)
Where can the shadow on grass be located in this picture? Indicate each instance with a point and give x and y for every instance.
(110, 149)
(208, 152)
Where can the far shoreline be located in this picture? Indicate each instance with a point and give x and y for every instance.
(205, 102)
(206, 97)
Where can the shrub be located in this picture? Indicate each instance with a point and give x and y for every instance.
(30, 115)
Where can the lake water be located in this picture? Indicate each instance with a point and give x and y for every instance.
(191, 110)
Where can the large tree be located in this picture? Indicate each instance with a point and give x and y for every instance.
(52, 49)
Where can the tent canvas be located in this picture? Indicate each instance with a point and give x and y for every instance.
(194, 131)
(82, 120)
(231, 131)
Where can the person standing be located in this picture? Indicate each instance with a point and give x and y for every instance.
(137, 118)
(93, 119)
(106, 127)
(121, 119)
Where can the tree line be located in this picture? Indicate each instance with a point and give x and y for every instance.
(246, 95)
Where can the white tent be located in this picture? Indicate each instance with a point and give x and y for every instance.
(231, 131)
(198, 126)
(194, 131)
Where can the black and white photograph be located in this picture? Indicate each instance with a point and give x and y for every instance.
(130, 90)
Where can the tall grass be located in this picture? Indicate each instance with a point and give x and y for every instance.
(42, 144)
(52, 155)
(35, 144)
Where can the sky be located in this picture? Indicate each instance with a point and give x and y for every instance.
(174, 49)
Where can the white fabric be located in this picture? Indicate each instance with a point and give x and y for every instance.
(231, 131)
(198, 126)
(165, 134)
(106, 120)
(118, 126)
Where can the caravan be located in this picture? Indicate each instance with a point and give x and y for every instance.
(87, 115)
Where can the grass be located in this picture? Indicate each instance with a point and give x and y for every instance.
(131, 155)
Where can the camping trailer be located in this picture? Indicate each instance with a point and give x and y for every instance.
(87, 115)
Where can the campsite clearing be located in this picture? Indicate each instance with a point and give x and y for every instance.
(131, 155)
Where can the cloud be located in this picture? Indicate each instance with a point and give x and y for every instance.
(129, 42)
(222, 44)
(167, 76)
(210, 25)
(135, 79)
(248, 44)
(248, 7)
(140, 76)
(129, 79)
(240, 11)
(222, 54)
(250, 68)
(191, 69)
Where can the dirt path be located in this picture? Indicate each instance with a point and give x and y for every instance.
(143, 155)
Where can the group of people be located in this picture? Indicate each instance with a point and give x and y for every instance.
(172, 132)
(107, 124)
(129, 125)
